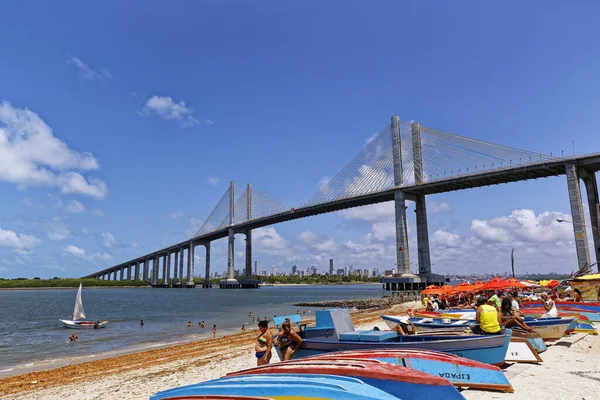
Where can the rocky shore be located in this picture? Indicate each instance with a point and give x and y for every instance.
(361, 304)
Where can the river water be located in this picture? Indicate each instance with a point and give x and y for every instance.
(32, 339)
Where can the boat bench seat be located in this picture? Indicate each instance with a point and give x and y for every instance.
(368, 336)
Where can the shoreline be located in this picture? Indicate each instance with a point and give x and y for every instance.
(234, 351)
(75, 287)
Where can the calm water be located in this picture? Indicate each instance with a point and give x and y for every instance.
(31, 338)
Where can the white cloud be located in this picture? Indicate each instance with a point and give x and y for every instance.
(213, 180)
(209, 122)
(108, 240)
(175, 215)
(74, 250)
(75, 206)
(268, 240)
(87, 73)
(374, 212)
(30, 155)
(55, 229)
(164, 107)
(195, 225)
(134, 244)
(446, 239)
(97, 212)
(18, 242)
(433, 207)
(324, 181)
(371, 138)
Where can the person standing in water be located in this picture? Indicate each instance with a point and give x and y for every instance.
(202, 324)
(264, 343)
(214, 331)
(142, 322)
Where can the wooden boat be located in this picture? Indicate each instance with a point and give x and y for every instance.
(552, 328)
(76, 321)
(533, 338)
(462, 372)
(427, 324)
(396, 380)
(587, 305)
(521, 351)
(334, 332)
(280, 386)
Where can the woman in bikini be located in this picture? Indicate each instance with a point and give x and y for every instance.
(264, 343)
(288, 341)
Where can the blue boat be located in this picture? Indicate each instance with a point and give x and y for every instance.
(281, 387)
(402, 382)
(334, 332)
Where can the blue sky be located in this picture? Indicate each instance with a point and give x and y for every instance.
(154, 106)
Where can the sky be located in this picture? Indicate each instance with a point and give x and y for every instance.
(122, 124)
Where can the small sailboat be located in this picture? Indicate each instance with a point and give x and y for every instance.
(78, 321)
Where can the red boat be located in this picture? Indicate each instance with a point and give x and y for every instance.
(394, 379)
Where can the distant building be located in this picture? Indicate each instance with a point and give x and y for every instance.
(388, 272)
(274, 273)
(331, 266)
(341, 271)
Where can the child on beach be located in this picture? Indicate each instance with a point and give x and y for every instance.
(214, 331)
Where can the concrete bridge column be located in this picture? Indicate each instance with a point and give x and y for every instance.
(402, 258)
(422, 236)
(155, 271)
(129, 272)
(207, 283)
(164, 270)
(248, 271)
(581, 245)
(146, 272)
(137, 271)
(175, 261)
(168, 269)
(121, 270)
(181, 281)
(190, 266)
(591, 187)
(230, 254)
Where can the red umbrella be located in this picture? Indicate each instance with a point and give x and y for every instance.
(495, 283)
(432, 289)
(476, 286)
(515, 283)
(462, 287)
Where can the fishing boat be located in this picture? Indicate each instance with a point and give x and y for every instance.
(77, 321)
(461, 372)
(551, 328)
(587, 305)
(396, 380)
(334, 332)
(280, 386)
(427, 324)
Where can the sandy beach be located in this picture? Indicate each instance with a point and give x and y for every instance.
(571, 369)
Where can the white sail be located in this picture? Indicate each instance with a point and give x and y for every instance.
(78, 312)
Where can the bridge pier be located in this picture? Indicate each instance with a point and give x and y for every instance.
(167, 280)
(137, 271)
(175, 261)
(581, 245)
(155, 271)
(129, 272)
(248, 269)
(402, 258)
(181, 281)
(230, 282)
(591, 187)
(207, 283)
(190, 267)
(423, 255)
(146, 273)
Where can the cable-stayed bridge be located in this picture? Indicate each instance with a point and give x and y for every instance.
(405, 161)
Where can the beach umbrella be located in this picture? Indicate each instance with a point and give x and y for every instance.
(553, 283)
(431, 289)
(495, 283)
(446, 288)
(461, 287)
(515, 283)
(476, 286)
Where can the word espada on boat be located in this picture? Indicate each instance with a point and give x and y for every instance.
(334, 332)
(78, 321)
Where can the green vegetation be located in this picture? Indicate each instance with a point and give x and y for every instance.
(63, 282)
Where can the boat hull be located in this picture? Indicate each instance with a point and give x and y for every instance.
(83, 324)
(550, 328)
(394, 379)
(462, 372)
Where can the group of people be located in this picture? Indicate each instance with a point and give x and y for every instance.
(203, 325)
(287, 340)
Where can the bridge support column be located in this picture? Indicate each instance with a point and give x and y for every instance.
(230, 254)
(175, 261)
(207, 282)
(581, 245)
(181, 281)
(146, 272)
(591, 187)
(137, 271)
(155, 271)
(190, 267)
(167, 280)
(422, 236)
(402, 258)
(248, 271)
(129, 272)
(164, 270)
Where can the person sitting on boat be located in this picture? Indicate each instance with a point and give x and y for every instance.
(578, 297)
(406, 328)
(509, 317)
(264, 343)
(549, 305)
(488, 318)
(288, 340)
